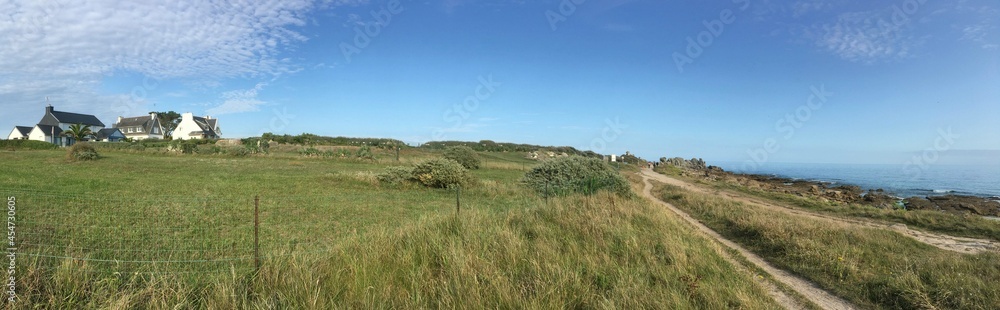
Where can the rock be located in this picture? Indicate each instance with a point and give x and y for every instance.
(918, 203)
(966, 204)
(878, 199)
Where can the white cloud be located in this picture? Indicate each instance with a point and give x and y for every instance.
(865, 37)
(65, 49)
(239, 101)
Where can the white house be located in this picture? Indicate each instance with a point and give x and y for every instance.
(19, 133)
(140, 127)
(53, 123)
(194, 127)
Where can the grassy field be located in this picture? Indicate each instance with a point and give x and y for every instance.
(872, 268)
(154, 230)
(947, 223)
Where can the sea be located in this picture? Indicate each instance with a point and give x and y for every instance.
(899, 180)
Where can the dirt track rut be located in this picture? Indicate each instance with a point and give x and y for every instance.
(805, 288)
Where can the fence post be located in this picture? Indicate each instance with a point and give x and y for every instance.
(458, 200)
(546, 193)
(256, 240)
(397, 154)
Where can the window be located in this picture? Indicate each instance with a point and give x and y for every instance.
(156, 130)
(130, 130)
(138, 129)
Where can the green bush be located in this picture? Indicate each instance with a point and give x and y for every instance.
(256, 145)
(82, 151)
(442, 173)
(575, 174)
(463, 155)
(395, 175)
(26, 145)
(239, 151)
(365, 152)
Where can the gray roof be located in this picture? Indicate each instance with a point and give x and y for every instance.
(76, 118)
(146, 122)
(48, 130)
(134, 121)
(24, 130)
(207, 126)
(106, 132)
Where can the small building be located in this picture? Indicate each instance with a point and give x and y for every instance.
(140, 127)
(109, 135)
(19, 133)
(194, 127)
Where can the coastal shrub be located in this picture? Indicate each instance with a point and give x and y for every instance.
(256, 145)
(365, 152)
(395, 175)
(442, 173)
(463, 155)
(82, 151)
(238, 151)
(12, 145)
(575, 174)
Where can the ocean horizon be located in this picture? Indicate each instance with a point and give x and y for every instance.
(896, 179)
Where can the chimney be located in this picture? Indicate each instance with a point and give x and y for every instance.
(48, 109)
(187, 116)
(119, 120)
(152, 115)
(208, 117)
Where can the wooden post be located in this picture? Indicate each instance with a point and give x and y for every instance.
(458, 200)
(397, 154)
(256, 240)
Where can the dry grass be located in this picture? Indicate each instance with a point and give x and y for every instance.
(873, 268)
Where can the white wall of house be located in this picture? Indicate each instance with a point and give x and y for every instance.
(14, 134)
(186, 126)
(37, 135)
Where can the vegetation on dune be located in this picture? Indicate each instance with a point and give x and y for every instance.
(82, 151)
(13, 145)
(442, 173)
(942, 222)
(874, 268)
(491, 146)
(575, 174)
(463, 155)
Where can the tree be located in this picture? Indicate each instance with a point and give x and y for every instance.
(79, 132)
(169, 121)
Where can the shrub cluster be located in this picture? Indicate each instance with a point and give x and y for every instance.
(26, 145)
(435, 173)
(463, 155)
(575, 174)
(82, 151)
(364, 152)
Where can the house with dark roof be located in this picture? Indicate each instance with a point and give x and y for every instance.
(53, 123)
(19, 133)
(140, 127)
(109, 135)
(194, 127)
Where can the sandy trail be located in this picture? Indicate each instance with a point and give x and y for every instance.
(944, 242)
(805, 288)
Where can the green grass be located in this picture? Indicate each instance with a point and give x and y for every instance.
(154, 230)
(958, 225)
(873, 268)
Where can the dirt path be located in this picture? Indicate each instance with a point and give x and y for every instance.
(810, 291)
(945, 242)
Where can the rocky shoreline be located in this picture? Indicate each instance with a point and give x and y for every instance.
(956, 204)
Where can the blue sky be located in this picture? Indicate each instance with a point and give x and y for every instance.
(723, 80)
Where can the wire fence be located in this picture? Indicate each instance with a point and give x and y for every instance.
(171, 234)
